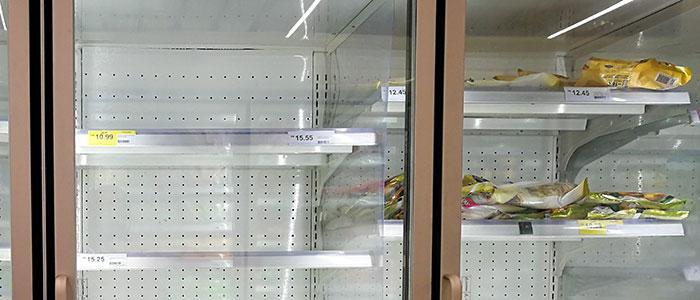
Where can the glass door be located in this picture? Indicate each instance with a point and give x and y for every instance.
(232, 149)
(579, 154)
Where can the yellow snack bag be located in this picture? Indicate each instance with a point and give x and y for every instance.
(647, 74)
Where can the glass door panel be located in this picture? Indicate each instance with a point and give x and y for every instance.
(579, 150)
(235, 149)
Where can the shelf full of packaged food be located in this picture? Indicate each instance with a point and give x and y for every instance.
(554, 230)
(225, 259)
(257, 147)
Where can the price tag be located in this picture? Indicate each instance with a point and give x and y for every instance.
(396, 93)
(587, 94)
(302, 137)
(596, 227)
(109, 137)
(101, 261)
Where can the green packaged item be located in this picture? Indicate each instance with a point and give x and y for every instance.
(664, 215)
(629, 200)
(607, 213)
(571, 212)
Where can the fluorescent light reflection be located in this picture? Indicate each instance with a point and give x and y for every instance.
(2, 18)
(591, 18)
(303, 18)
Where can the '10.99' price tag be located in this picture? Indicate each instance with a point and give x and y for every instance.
(587, 94)
(310, 137)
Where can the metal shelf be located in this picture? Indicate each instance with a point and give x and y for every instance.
(552, 230)
(540, 110)
(227, 259)
(215, 147)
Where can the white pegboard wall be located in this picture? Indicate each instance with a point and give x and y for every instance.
(197, 283)
(5, 280)
(393, 261)
(222, 88)
(131, 209)
(507, 270)
(514, 158)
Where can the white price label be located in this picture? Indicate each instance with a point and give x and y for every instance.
(101, 261)
(587, 94)
(302, 137)
(396, 93)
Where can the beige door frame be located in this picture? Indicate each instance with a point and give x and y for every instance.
(19, 136)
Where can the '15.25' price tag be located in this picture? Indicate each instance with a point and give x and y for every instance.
(101, 261)
(310, 137)
(587, 94)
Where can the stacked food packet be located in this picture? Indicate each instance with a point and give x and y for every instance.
(648, 74)
(481, 199)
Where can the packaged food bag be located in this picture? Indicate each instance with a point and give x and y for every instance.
(607, 213)
(524, 79)
(394, 194)
(540, 195)
(664, 215)
(627, 200)
(646, 74)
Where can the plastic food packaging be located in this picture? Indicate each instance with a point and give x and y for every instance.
(607, 213)
(541, 195)
(394, 194)
(664, 215)
(524, 79)
(481, 199)
(647, 74)
(627, 200)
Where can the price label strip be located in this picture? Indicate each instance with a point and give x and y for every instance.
(587, 94)
(596, 227)
(101, 261)
(302, 137)
(109, 137)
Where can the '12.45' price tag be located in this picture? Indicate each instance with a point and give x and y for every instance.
(396, 93)
(302, 137)
(101, 261)
(587, 94)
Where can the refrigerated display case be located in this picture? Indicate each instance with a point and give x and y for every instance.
(538, 127)
(226, 149)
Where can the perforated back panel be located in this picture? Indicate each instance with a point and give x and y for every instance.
(6, 280)
(192, 283)
(155, 88)
(131, 209)
(507, 270)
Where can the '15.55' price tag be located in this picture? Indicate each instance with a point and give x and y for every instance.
(302, 137)
(101, 261)
(587, 94)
